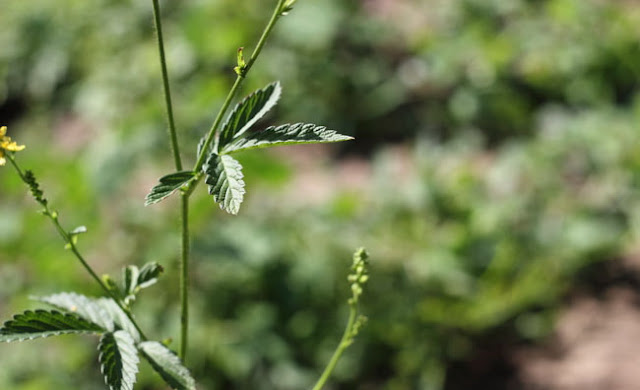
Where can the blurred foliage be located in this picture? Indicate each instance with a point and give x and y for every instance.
(518, 167)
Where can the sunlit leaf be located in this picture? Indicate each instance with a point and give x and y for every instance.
(224, 177)
(248, 112)
(119, 317)
(42, 323)
(81, 305)
(168, 365)
(299, 133)
(167, 186)
(118, 360)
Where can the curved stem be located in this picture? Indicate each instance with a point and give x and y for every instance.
(344, 344)
(74, 249)
(167, 90)
(277, 12)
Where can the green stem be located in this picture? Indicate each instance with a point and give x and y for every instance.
(69, 241)
(345, 342)
(184, 278)
(167, 90)
(277, 12)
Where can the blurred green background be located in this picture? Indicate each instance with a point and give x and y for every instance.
(495, 164)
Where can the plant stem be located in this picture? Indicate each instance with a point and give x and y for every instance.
(167, 90)
(184, 278)
(277, 12)
(72, 246)
(345, 342)
(184, 261)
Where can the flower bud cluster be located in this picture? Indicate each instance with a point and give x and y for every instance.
(359, 274)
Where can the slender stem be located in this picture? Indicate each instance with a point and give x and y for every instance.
(184, 263)
(277, 12)
(344, 344)
(216, 123)
(167, 90)
(184, 278)
(69, 241)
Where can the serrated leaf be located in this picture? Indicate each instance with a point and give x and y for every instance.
(42, 323)
(168, 365)
(299, 133)
(248, 112)
(81, 305)
(149, 274)
(224, 177)
(119, 317)
(168, 185)
(118, 360)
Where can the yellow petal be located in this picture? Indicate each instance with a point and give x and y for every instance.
(14, 147)
(3, 131)
(2, 159)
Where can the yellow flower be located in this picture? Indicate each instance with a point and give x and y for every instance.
(7, 144)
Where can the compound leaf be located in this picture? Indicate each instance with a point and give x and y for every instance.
(248, 112)
(299, 133)
(224, 177)
(168, 185)
(118, 360)
(82, 306)
(168, 365)
(42, 323)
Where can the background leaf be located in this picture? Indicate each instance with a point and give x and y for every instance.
(118, 360)
(41, 323)
(299, 133)
(81, 305)
(168, 365)
(224, 177)
(167, 186)
(248, 112)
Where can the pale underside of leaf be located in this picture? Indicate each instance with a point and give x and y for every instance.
(118, 360)
(81, 305)
(248, 112)
(299, 133)
(42, 323)
(224, 178)
(119, 317)
(167, 185)
(168, 365)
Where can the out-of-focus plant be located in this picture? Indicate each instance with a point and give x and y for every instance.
(121, 338)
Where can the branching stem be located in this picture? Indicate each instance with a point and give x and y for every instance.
(53, 216)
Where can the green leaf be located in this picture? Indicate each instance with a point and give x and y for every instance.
(248, 112)
(299, 133)
(118, 360)
(168, 185)
(41, 323)
(130, 275)
(83, 306)
(168, 365)
(224, 177)
(149, 274)
(119, 317)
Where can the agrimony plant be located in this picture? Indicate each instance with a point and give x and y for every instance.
(121, 340)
